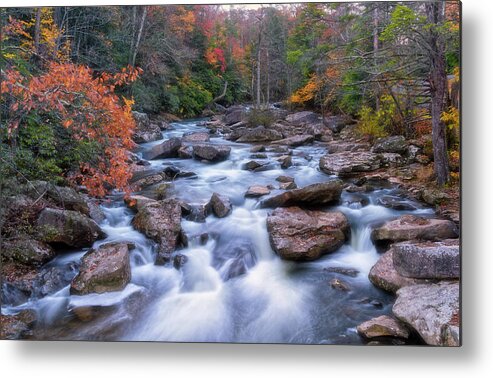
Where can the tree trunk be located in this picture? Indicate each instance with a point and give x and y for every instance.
(438, 88)
(258, 78)
(37, 30)
(139, 35)
(375, 52)
(267, 100)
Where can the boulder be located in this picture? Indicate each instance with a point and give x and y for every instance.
(145, 131)
(339, 146)
(211, 152)
(384, 275)
(185, 152)
(410, 227)
(234, 114)
(395, 203)
(284, 179)
(259, 134)
(432, 310)
(304, 235)
(196, 137)
(285, 160)
(337, 123)
(302, 118)
(315, 194)
(349, 163)
(18, 326)
(63, 196)
(168, 149)
(287, 185)
(51, 279)
(383, 326)
(391, 159)
(435, 260)
(295, 141)
(137, 202)
(103, 269)
(257, 191)
(258, 156)
(27, 251)
(253, 165)
(258, 148)
(434, 196)
(395, 144)
(161, 222)
(221, 205)
(67, 227)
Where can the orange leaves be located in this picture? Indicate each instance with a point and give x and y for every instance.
(85, 105)
(215, 57)
(306, 93)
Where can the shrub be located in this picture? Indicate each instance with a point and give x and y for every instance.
(369, 124)
(259, 117)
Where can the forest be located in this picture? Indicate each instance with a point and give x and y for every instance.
(285, 173)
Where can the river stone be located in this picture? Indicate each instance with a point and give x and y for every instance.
(104, 269)
(259, 134)
(434, 196)
(253, 165)
(410, 227)
(145, 131)
(383, 326)
(234, 114)
(384, 275)
(196, 136)
(256, 149)
(395, 144)
(339, 146)
(315, 194)
(136, 202)
(221, 205)
(338, 284)
(295, 141)
(432, 310)
(285, 160)
(18, 326)
(63, 196)
(211, 152)
(161, 222)
(302, 118)
(168, 149)
(27, 251)
(68, 227)
(51, 279)
(337, 123)
(287, 185)
(348, 163)
(303, 235)
(395, 203)
(257, 191)
(284, 179)
(435, 260)
(185, 152)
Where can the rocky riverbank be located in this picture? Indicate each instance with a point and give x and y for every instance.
(420, 261)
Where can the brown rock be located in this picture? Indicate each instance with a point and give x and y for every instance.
(383, 326)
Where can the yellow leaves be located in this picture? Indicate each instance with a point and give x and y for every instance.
(306, 93)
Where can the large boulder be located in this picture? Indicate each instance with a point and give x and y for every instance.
(63, 196)
(18, 326)
(67, 227)
(383, 326)
(234, 114)
(221, 205)
(257, 191)
(302, 118)
(315, 194)
(432, 310)
(395, 144)
(196, 137)
(349, 163)
(435, 260)
(161, 222)
(384, 275)
(27, 251)
(259, 134)
(104, 269)
(145, 131)
(304, 235)
(137, 202)
(410, 227)
(168, 149)
(337, 123)
(295, 141)
(211, 152)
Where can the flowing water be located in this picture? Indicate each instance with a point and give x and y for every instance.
(273, 301)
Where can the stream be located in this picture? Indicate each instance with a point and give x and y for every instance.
(274, 301)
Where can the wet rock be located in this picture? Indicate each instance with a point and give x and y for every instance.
(256, 149)
(67, 227)
(257, 191)
(27, 251)
(52, 279)
(344, 271)
(253, 165)
(258, 156)
(353, 200)
(346, 164)
(285, 161)
(395, 144)
(315, 194)
(337, 123)
(318, 130)
(395, 203)
(15, 327)
(167, 149)
(185, 152)
(383, 326)
(104, 269)
(196, 137)
(287, 185)
(295, 141)
(17, 282)
(410, 227)
(434, 196)
(198, 213)
(95, 211)
(161, 222)
(211, 152)
(302, 235)
(384, 275)
(284, 179)
(338, 284)
(259, 134)
(279, 150)
(234, 114)
(63, 196)
(435, 260)
(390, 159)
(221, 205)
(338, 146)
(145, 131)
(137, 202)
(432, 310)
(302, 118)
(234, 258)
(179, 261)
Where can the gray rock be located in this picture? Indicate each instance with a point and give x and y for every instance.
(18, 326)
(396, 203)
(167, 149)
(221, 205)
(211, 152)
(432, 310)
(137, 202)
(303, 235)
(338, 284)
(196, 137)
(346, 164)
(302, 118)
(337, 123)
(287, 185)
(383, 326)
(315, 194)
(285, 161)
(395, 144)
(145, 131)
(185, 152)
(68, 227)
(234, 114)
(295, 141)
(435, 260)
(259, 134)
(27, 251)
(284, 179)
(253, 165)
(257, 191)
(104, 269)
